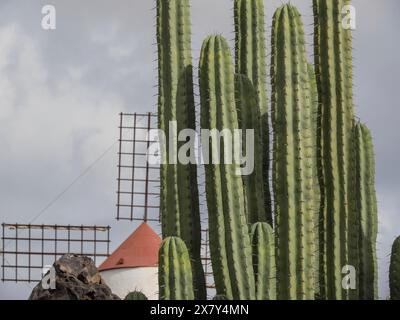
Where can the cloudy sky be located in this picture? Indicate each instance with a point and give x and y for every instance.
(61, 92)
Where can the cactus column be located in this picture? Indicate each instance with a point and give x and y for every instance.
(251, 62)
(249, 119)
(262, 238)
(366, 206)
(174, 271)
(179, 192)
(394, 272)
(333, 60)
(293, 158)
(229, 235)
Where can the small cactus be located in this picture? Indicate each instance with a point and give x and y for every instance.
(394, 271)
(220, 297)
(174, 271)
(262, 238)
(136, 295)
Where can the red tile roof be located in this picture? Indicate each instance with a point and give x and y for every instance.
(139, 250)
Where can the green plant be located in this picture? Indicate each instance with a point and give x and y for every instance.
(293, 181)
(262, 238)
(333, 61)
(366, 206)
(394, 271)
(136, 295)
(220, 298)
(229, 235)
(249, 119)
(250, 61)
(179, 191)
(174, 271)
(323, 164)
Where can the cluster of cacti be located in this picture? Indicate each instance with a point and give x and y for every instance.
(324, 215)
(136, 295)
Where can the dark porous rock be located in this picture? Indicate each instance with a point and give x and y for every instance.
(76, 278)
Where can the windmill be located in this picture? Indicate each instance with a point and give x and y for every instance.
(27, 250)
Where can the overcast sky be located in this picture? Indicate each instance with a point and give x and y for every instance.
(61, 92)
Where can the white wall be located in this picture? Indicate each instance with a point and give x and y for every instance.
(123, 281)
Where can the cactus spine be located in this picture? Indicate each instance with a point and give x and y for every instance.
(333, 60)
(250, 61)
(293, 181)
(366, 205)
(179, 192)
(394, 271)
(174, 271)
(136, 295)
(249, 118)
(262, 237)
(229, 234)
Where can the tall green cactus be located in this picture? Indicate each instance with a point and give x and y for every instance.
(229, 235)
(249, 119)
(179, 192)
(293, 181)
(316, 186)
(333, 61)
(394, 271)
(262, 238)
(366, 205)
(174, 271)
(251, 61)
